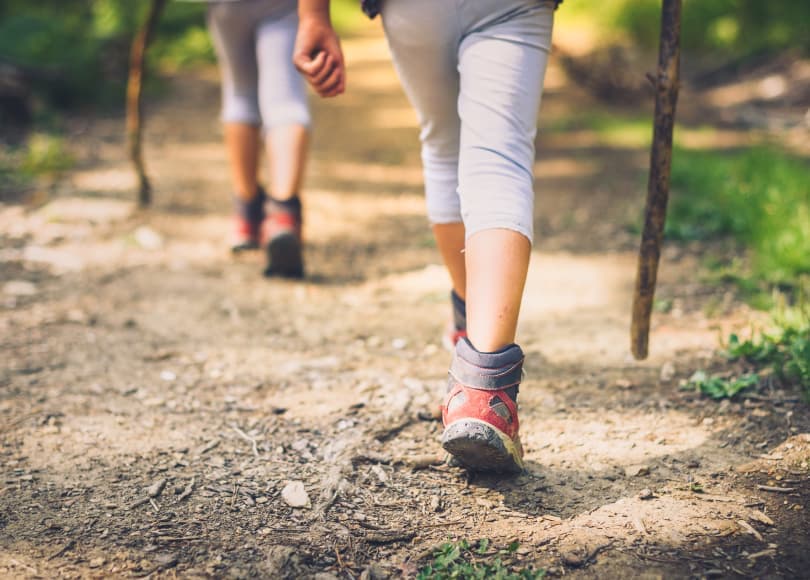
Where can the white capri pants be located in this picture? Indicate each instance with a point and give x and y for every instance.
(473, 70)
(254, 41)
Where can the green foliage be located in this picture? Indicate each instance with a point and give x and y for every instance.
(462, 561)
(347, 18)
(760, 197)
(785, 350)
(730, 28)
(45, 154)
(718, 387)
(85, 43)
(782, 351)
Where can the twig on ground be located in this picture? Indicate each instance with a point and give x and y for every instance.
(389, 537)
(208, 447)
(384, 435)
(776, 489)
(416, 462)
(187, 491)
(138, 503)
(63, 549)
(20, 420)
(247, 438)
(750, 529)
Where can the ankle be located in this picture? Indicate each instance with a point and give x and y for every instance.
(289, 205)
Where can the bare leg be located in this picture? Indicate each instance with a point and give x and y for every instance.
(450, 239)
(287, 148)
(242, 144)
(497, 263)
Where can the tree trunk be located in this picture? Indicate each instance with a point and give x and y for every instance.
(137, 61)
(666, 97)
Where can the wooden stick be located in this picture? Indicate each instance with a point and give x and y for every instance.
(137, 60)
(666, 97)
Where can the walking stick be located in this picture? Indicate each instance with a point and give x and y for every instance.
(137, 60)
(666, 97)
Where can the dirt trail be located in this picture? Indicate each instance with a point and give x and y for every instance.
(137, 351)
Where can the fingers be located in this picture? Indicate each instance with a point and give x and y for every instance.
(325, 73)
(326, 68)
(309, 66)
(333, 84)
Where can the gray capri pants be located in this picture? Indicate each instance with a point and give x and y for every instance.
(473, 70)
(254, 41)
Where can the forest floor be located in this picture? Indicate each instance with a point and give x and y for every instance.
(157, 395)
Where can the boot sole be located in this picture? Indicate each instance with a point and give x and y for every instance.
(284, 257)
(479, 446)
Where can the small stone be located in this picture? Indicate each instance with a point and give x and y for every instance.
(156, 488)
(636, 470)
(624, 384)
(77, 316)
(166, 560)
(667, 372)
(148, 239)
(380, 473)
(168, 376)
(97, 562)
(300, 445)
(19, 288)
(399, 343)
(646, 493)
(295, 495)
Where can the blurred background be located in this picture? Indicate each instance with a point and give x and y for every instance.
(746, 77)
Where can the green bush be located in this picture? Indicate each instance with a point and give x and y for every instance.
(730, 28)
(760, 197)
(784, 350)
(45, 154)
(83, 46)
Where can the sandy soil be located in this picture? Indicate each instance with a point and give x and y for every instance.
(157, 396)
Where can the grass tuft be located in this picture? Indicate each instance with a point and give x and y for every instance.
(463, 561)
(781, 352)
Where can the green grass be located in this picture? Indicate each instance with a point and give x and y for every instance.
(781, 352)
(463, 561)
(719, 387)
(759, 197)
(784, 350)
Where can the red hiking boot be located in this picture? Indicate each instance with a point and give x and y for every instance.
(248, 218)
(281, 236)
(480, 412)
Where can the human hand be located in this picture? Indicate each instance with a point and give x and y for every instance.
(318, 56)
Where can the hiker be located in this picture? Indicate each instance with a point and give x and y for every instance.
(264, 101)
(473, 70)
